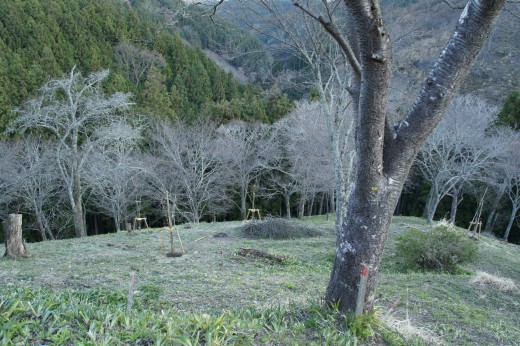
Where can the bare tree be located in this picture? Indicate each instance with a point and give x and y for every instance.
(298, 31)
(70, 108)
(308, 167)
(113, 169)
(509, 168)
(38, 184)
(247, 151)
(137, 61)
(458, 151)
(496, 181)
(8, 176)
(190, 152)
(160, 181)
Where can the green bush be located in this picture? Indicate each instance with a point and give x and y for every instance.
(276, 228)
(440, 248)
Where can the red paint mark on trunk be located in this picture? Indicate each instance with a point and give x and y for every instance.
(364, 270)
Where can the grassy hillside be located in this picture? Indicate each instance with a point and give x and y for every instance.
(211, 293)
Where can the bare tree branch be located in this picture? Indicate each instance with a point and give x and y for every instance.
(333, 31)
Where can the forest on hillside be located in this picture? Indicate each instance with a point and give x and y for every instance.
(168, 78)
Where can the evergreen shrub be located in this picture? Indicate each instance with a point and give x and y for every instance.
(440, 248)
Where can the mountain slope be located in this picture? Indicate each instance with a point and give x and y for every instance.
(40, 41)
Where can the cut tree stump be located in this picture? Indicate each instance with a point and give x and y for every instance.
(261, 254)
(14, 244)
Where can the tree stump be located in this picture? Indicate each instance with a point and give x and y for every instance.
(14, 245)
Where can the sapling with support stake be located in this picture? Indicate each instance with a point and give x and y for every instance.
(253, 210)
(138, 219)
(475, 226)
(172, 253)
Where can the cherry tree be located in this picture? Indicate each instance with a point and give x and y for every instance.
(190, 153)
(113, 169)
(38, 185)
(70, 108)
(307, 168)
(508, 167)
(383, 154)
(247, 151)
(298, 31)
(458, 152)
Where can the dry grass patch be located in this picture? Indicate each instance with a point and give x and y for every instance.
(413, 334)
(497, 282)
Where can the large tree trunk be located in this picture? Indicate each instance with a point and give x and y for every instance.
(14, 246)
(363, 236)
(385, 154)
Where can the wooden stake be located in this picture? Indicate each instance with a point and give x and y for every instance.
(170, 225)
(131, 292)
(162, 242)
(362, 289)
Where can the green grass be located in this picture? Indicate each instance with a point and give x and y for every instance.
(210, 293)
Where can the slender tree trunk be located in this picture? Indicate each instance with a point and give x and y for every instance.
(511, 220)
(243, 210)
(77, 217)
(14, 246)
(428, 199)
(39, 220)
(332, 206)
(310, 209)
(301, 206)
(41, 227)
(287, 199)
(431, 207)
(455, 201)
(79, 224)
(98, 228)
(46, 225)
(399, 206)
(493, 213)
(117, 221)
(490, 221)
